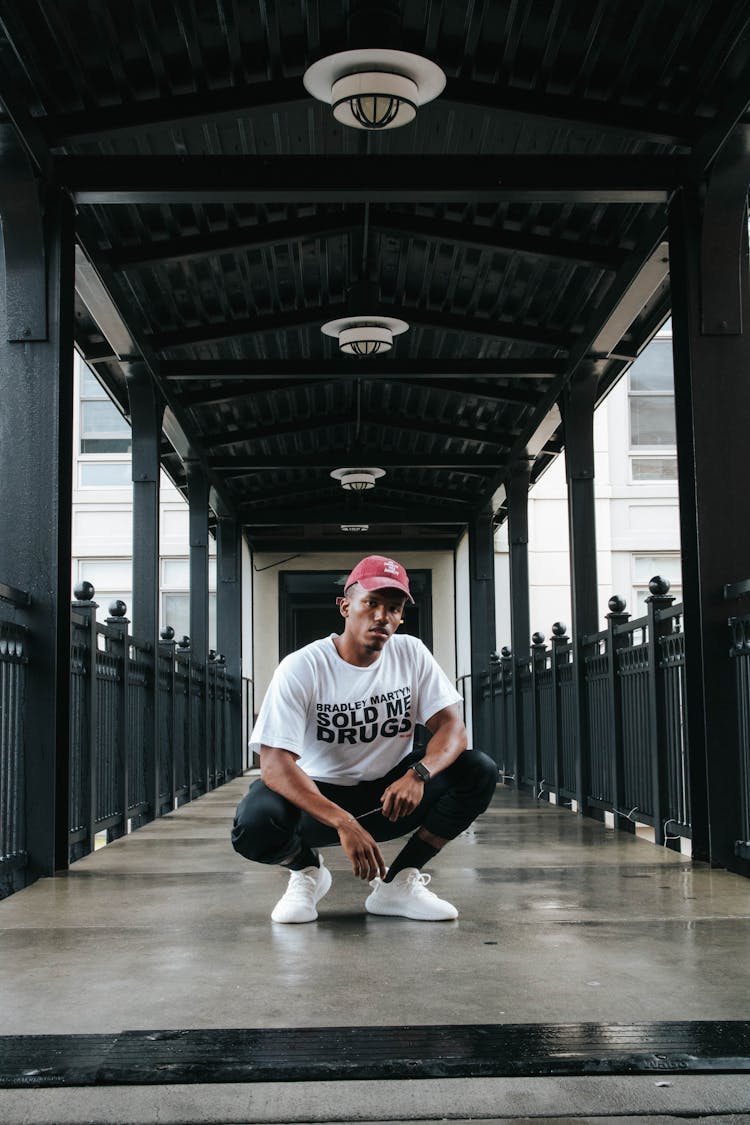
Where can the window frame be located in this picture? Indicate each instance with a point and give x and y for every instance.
(665, 452)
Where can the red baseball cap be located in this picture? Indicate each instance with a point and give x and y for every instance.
(377, 572)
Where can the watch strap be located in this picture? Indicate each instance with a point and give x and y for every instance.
(421, 771)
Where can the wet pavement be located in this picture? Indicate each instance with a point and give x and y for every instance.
(560, 920)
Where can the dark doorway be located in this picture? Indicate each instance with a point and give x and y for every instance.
(308, 610)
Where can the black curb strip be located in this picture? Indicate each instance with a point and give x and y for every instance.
(137, 1058)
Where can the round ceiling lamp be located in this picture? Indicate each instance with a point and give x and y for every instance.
(364, 335)
(357, 480)
(374, 88)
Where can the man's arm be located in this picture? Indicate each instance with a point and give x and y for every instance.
(280, 772)
(449, 740)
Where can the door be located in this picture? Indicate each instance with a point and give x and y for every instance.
(308, 610)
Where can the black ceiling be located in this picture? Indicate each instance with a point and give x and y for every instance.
(226, 214)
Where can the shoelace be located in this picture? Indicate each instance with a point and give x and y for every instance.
(300, 885)
(419, 882)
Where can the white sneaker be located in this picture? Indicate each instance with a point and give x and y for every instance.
(305, 890)
(407, 896)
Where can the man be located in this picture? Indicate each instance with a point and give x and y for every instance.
(335, 735)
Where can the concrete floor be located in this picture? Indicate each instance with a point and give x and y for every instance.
(560, 920)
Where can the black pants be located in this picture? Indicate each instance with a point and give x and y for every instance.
(268, 828)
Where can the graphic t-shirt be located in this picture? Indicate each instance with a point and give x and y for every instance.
(349, 724)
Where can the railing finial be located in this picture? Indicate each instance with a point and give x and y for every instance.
(617, 604)
(117, 608)
(84, 591)
(659, 586)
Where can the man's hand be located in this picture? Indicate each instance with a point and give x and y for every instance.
(364, 854)
(402, 796)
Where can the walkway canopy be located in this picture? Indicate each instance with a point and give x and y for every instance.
(517, 226)
(176, 203)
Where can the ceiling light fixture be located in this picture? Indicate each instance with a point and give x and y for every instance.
(357, 480)
(374, 88)
(365, 335)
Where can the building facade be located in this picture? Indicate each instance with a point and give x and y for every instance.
(637, 506)
(103, 514)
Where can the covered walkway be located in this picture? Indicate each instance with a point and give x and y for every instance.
(563, 922)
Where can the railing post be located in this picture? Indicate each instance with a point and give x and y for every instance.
(615, 642)
(517, 489)
(482, 624)
(86, 608)
(229, 634)
(508, 720)
(119, 642)
(495, 729)
(211, 720)
(560, 640)
(184, 646)
(166, 650)
(538, 657)
(198, 504)
(224, 718)
(659, 599)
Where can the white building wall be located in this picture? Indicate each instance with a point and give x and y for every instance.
(102, 530)
(637, 529)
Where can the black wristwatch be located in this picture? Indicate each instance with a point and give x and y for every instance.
(421, 771)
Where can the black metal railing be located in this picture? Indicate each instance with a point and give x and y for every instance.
(740, 656)
(631, 724)
(149, 731)
(248, 719)
(14, 658)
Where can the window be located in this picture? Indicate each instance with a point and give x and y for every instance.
(175, 598)
(103, 428)
(104, 474)
(646, 567)
(112, 579)
(176, 612)
(651, 411)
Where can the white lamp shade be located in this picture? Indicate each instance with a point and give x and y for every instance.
(374, 100)
(365, 340)
(358, 481)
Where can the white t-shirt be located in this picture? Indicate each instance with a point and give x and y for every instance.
(349, 724)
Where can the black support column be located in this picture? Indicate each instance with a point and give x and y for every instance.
(36, 426)
(229, 624)
(578, 421)
(146, 412)
(482, 623)
(711, 326)
(198, 502)
(520, 625)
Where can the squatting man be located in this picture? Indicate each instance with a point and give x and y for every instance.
(335, 735)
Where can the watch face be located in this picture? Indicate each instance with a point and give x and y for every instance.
(421, 771)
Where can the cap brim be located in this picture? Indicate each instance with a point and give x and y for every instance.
(384, 584)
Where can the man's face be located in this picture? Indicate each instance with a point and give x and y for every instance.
(372, 616)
